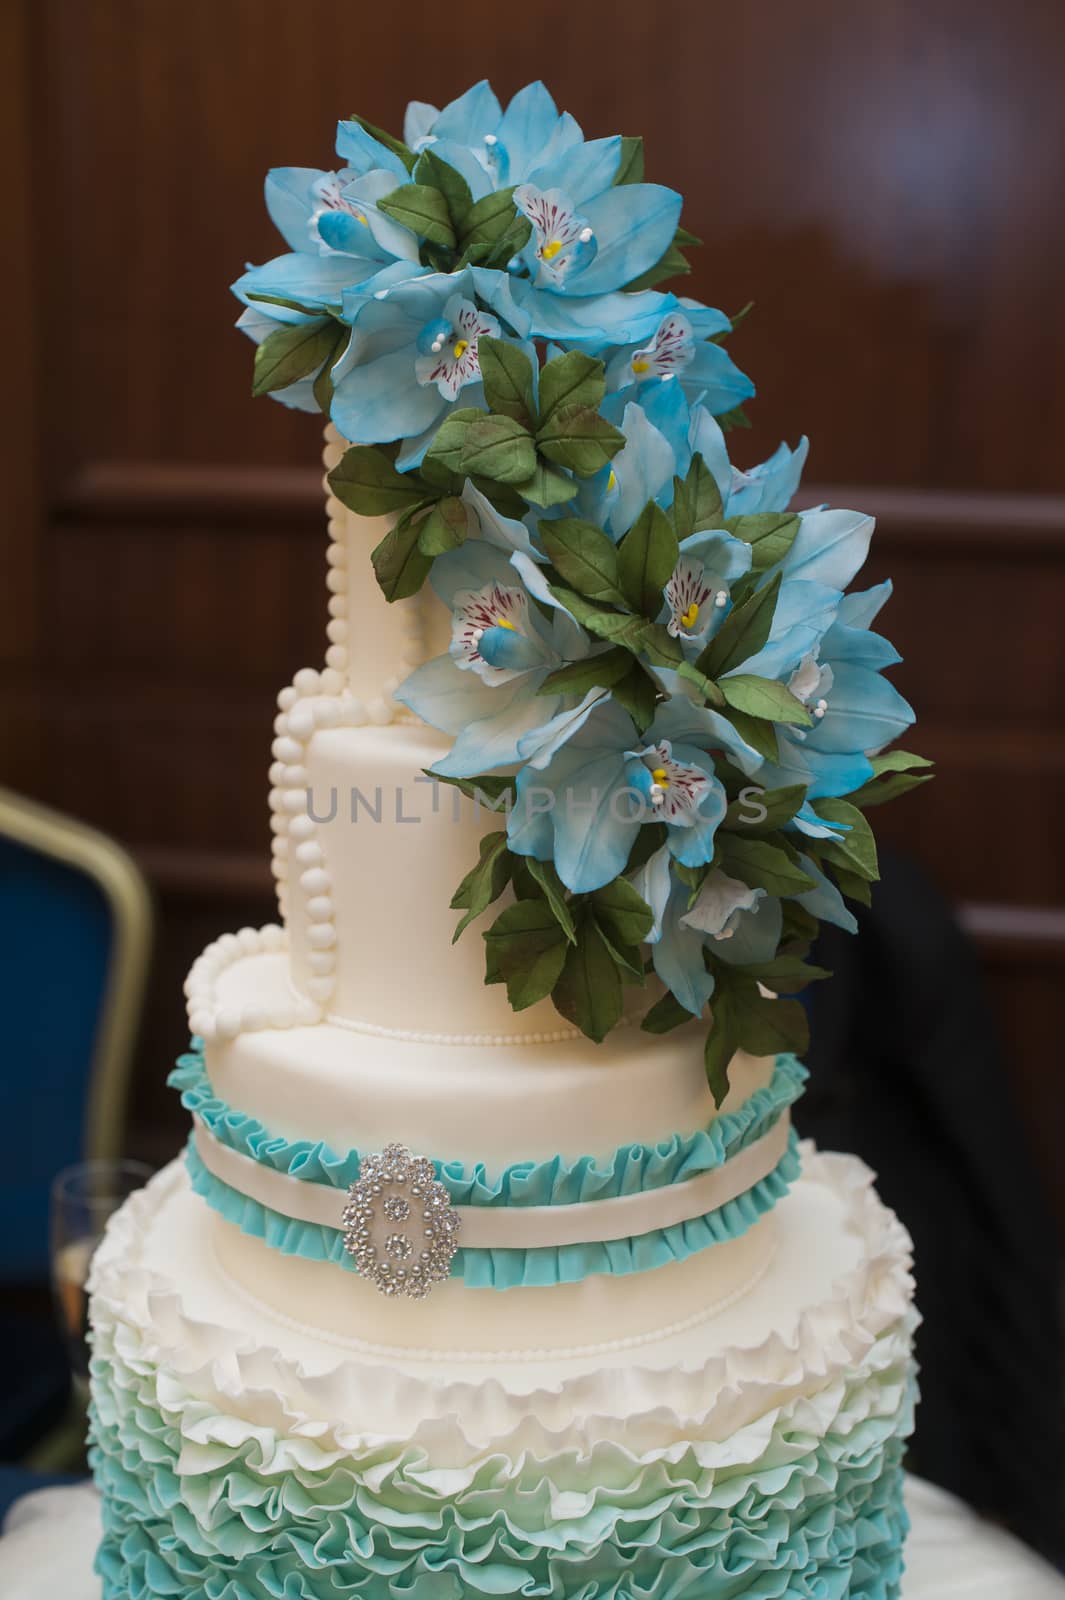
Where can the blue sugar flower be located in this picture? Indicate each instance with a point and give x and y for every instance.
(769, 486)
(413, 356)
(856, 710)
(298, 396)
(486, 689)
(697, 595)
(337, 237)
(583, 807)
(680, 352)
(592, 245)
(737, 924)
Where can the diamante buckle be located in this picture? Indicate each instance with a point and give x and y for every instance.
(399, 1224)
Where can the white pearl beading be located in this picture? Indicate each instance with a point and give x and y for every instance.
(211, 1019)
(327, 699)
(347, 545)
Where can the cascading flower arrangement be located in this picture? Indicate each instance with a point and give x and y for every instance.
(658, 674)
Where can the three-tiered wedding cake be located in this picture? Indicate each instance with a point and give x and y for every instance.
(449, 1299)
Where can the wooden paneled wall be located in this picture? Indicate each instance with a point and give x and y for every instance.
(884, 181)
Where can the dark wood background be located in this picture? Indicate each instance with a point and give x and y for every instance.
(884, 181)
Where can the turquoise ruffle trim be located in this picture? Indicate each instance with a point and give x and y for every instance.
(630, 1170)
(814, 1519)
(509, 1269)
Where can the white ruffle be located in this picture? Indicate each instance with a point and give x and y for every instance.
(228, 1388)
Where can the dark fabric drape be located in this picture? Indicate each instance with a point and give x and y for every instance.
(906, 1071)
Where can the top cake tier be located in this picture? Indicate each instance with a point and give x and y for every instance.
(367, 848)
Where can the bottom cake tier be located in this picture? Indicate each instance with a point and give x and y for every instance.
(755, 1454)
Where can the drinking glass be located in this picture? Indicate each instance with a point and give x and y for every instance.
(83, 1198)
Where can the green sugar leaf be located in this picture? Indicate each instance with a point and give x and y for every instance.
(445, 452)
(855, 850)
(573, 379)
(637, 694)
(292, 353)
(365, 480)
(423, 210)
(852, 884)
(389, 140)
(445, 528)
(673, 264)
(632, 633)
(727, 421)
(401, 568)
(434, 173)
(894, 774)
(623, 914)
(323, 384)
(721, 1040)
(631, 164)
(489, 789)
(760, 735)
(665, 1015)
(288, 305)
(756, 811)
(526, 950)
(577, 437)
(646, 560)
(762, 865)
(548, 486)
(488, 219)
(589, 991)
(772, 1027)
(508, 379)
(599, 671)
(499, 448)
(483, 883)
(770, 535)
(706, 686)
(553, 890)
(583, 555)
(785, 974)
(697, 503)
(765, 698)
(742, 634)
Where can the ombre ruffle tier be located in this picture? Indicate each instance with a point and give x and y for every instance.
(242, 1462)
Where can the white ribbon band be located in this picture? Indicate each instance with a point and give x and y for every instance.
(518, 1227)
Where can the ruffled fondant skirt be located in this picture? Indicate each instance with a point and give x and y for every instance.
(239, 1468)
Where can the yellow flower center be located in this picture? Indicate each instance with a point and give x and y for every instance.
(640, 365)
(612, 481)
(551, 249)
(691, 616)
(460, 348)
(661, 776)
(502, 622)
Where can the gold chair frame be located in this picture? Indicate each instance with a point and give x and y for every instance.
(123, 886)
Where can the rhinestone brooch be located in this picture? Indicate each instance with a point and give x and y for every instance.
(394, 1188)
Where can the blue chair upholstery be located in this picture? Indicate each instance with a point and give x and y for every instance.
(75, 937)
(55, 949)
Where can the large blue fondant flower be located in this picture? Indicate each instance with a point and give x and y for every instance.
(337, 237)
(856, 711)
(413, 356)
(732, 921)
(582, 806)
(486, 689)
(681, 351)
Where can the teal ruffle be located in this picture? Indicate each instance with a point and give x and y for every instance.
(631, 1169)
(815, 1519)
(511, 1269)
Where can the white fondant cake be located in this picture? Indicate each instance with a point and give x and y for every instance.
(711, 1409)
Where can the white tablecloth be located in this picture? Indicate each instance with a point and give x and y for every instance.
(49, 1538)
